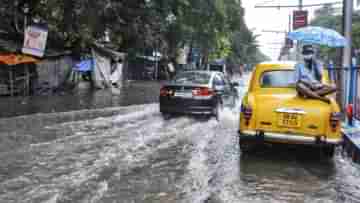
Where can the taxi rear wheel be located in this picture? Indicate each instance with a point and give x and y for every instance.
(246, 146)
(328, 151)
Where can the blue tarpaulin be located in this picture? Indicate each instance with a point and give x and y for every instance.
(84, 65)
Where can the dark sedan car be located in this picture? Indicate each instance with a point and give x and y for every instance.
(197, 92)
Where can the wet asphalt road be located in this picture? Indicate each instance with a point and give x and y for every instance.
(81, 98)
(139, 156)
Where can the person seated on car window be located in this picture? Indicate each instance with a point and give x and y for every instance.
(308, 75)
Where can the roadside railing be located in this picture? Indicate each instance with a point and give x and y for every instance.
(350, 80)
(350, 130)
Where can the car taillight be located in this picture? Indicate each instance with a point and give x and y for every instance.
(247, 113)
(203, 91)
(335, 118)
(164, 91)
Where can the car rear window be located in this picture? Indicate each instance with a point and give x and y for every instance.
(277, 78)
(216, 68)
(192, 78)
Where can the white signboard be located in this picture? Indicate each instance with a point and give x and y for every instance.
(35, 41)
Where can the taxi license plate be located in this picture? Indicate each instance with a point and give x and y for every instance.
(290, 120)
(183, 94)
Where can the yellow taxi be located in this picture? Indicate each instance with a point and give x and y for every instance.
(272, 112)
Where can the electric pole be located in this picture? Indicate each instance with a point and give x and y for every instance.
(346, 56)
(298, 48)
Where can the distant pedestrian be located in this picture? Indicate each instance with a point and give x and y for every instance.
(171, 69)
(230, 71)
(241, 69)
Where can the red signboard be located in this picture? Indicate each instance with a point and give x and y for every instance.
(300, 19)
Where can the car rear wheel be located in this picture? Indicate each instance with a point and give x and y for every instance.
(217, 109)
(166, 116)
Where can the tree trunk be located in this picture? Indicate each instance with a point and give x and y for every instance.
(16, 17)
(205, 56)
(68, 17)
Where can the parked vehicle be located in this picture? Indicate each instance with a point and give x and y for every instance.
(197, 92)
(271, 111)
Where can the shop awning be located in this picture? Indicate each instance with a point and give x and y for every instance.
(15, 59)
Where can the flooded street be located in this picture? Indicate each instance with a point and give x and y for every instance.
(133, 154)
(131, 93)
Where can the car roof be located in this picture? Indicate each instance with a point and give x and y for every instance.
(196, 71)
(211, 73)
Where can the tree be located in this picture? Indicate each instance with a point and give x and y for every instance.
(326, 17)
(209, 25)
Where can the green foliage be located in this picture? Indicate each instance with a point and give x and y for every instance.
(325, 17)
(222, 49)
(215, 26)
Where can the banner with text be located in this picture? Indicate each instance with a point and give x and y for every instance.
(35, 40)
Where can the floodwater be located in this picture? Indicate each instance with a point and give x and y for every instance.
(136, 155)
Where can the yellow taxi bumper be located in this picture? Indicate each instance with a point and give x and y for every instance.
(249, 135)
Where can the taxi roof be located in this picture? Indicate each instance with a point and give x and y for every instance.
(276, 64)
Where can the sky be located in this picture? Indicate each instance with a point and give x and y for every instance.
(261, 20)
